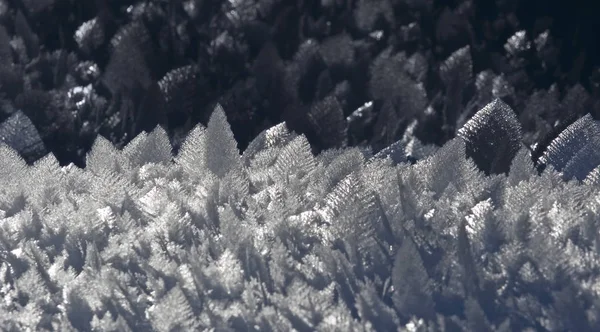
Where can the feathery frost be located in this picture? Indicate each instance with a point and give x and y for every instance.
(469, 236)
(493, 137)
(569, 142)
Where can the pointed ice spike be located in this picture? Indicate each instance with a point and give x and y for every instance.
(593, 179)
(584, 161)
(19, 133)
(103, 156)
(295, 160)
(570, 141)
(191, 154)
(149, 148)
(276, 136)
(222, 154)
(517, 44)
(521, 168)
(493, 137)
(458, 67)
(12, 166)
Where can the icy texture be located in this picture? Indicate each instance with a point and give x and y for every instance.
(518, 43)
(20, 134)
(279, 239)
(493, 137)
(574, 146)
(458, 68)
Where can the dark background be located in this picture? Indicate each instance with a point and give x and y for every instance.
(254, 65)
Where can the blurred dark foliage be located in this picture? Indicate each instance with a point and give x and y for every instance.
(344, 72)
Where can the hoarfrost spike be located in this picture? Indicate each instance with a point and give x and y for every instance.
(221, 154)
(570, 141)
(493, 137)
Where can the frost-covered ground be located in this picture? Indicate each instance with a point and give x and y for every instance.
(381, 165)
(278, 239)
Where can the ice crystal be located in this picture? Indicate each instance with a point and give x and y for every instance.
(493, 137)
(280, 238)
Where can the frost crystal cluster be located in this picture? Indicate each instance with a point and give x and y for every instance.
(466, 237)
